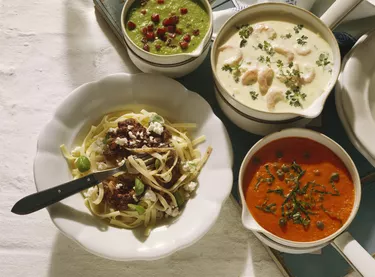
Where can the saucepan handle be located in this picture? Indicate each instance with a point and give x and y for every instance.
(355, 254)
(338, 11)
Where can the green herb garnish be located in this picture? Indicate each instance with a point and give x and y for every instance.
(323, 60)
(298, 28)
(266, 46)
(234, 70)
(267, 208)
(244, 31)
(295, 96)
(335, 177)
(278, 191)
(287, 36)
(261, 59)
(180, 199)
(227, 67)
(139, 187)
(268, 180)
(302, 40)
(254, 95)
(138, 208)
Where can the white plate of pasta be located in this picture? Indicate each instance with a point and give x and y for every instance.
(176, 156)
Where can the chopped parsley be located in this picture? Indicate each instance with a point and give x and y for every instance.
(294, 96)
(279, 63)
(254, 95)
(298, 28)
(267, 208)
(245, 31)
(291, 78)
(234, 70)
(323, 60)
(302, 40)
(287, 36)
(227, 67)
(266, 47)
(263, 59)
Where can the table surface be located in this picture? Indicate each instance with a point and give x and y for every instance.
(48, 48)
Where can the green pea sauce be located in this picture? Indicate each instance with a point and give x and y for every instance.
(194, 23)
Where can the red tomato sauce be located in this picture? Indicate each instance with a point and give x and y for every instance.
(303, 201)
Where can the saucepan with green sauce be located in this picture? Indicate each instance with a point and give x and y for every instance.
(170, 37)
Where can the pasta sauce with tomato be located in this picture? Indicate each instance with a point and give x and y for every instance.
(298, 189)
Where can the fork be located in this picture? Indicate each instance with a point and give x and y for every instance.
(39, 200)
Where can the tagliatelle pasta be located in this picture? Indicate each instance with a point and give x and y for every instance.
(161, 165)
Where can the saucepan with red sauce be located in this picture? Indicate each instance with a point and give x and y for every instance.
(302, 190)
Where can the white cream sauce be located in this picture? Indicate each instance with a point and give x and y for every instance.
(259, 78)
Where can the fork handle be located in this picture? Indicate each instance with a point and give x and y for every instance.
(42, 199)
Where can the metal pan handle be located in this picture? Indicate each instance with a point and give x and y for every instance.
(338, 11)
(355, 254)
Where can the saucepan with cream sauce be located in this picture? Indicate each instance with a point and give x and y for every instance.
(275, 64)
(302, 190)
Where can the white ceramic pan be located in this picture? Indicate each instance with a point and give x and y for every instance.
(260, 122)
(348, 247)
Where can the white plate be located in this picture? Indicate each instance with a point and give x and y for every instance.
(355, 95)
(88, 104)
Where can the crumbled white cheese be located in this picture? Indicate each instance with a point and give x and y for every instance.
(191, 186)
(189, 166)
(131, 135)
(171, 212)
(150, 195)
(155, 127)
(101, 166)
(90, 192)
(112, 130)
(130, 127)
(119, 185)
(121, 163)
(98, 146)
(132, 142)
(76, 151)
(187, 195)
(121, 141)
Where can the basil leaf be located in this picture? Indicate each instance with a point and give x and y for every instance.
(180, 199)
(139, 186)
(137, 208)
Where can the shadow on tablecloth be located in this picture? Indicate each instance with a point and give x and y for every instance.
(227, 250)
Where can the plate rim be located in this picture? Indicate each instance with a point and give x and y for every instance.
(172, 248)
(355, 140)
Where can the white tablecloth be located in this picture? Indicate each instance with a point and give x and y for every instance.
(47, 48)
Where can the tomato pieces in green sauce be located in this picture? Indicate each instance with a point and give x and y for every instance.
(167, 27)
